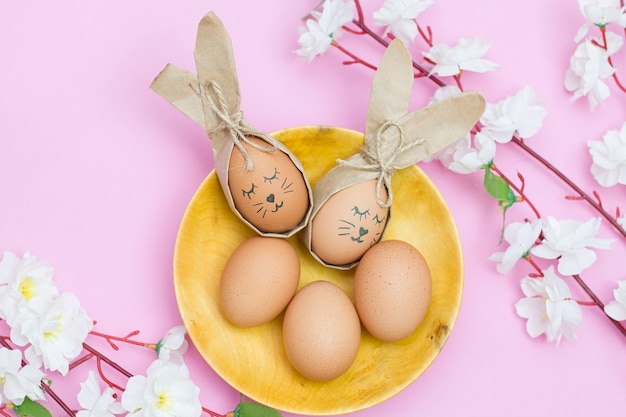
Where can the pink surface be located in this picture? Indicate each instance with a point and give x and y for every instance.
(97, 171)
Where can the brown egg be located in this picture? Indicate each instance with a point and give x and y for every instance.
(259, 279)
(321, 331)
(273, 196)
(348, 224)
(392, 290)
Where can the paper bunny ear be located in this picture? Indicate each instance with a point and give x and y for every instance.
(180, 88)
(391, 88)
(217, 75)
(397, 139)
(439, 125)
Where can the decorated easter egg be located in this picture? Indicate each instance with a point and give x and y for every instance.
(348, 224)
(273, 195)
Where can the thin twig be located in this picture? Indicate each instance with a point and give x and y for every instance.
(108, 361)
(572, 185)
(598, 303)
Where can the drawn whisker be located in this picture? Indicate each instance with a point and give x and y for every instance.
(286, 188)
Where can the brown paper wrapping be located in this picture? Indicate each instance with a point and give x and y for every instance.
(212, 99)
(394, 139)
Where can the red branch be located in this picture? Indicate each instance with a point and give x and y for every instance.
(598, 303)
(596, 206)
(125, 339)
(518, 190)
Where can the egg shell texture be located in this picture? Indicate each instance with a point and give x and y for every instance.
(392, 290)
(273, 196)
(259, 279)
(321, 331)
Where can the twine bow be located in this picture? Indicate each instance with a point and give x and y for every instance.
(237, 127)
(377, 161)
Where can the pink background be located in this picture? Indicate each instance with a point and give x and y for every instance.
(96, 171)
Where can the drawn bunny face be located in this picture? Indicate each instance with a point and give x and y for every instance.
(353, 221)
(273, 195)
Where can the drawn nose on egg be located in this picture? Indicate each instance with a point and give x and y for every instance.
(271, 198)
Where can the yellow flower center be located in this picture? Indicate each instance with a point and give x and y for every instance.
(53, 335)
(27, 288)
(165, 401)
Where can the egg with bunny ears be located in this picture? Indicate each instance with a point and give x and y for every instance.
(264, 183)
(353, 201)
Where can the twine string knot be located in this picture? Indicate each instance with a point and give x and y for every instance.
(240, 131)
(379, 159)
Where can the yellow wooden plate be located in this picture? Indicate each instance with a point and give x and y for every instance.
(252, 360)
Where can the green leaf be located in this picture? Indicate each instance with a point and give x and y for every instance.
(32, 409)
(497, 187)
(248, 409)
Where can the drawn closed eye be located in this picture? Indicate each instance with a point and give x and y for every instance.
(378, 220)
(249, 192)
(361, 214)
(272, 178)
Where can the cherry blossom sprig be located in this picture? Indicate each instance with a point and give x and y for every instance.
(591, 63)
(565, 244)
(48, 334)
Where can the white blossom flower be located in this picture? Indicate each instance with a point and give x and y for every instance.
(609, 158)
(398, 17)
(54, 332)
(324, 27)
(467, 160)
(24, 281)
(548, 307)
(465, 56)
(166, 390)
(173, 345)
(17, 382)
(521, 237)
(96, 403)
(451, 153)
(521, 113)
(569, 242)
(616, 309)
(600, 13)
(589, 66)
